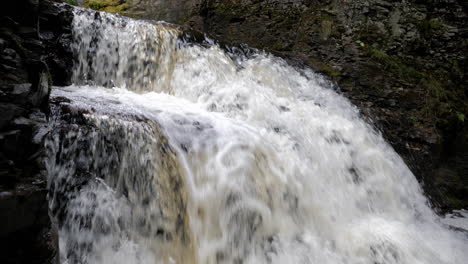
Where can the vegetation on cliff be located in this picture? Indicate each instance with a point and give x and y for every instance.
(111, 6)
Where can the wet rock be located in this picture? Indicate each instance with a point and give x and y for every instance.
(9, 112)
(25, 228)
(21, 89)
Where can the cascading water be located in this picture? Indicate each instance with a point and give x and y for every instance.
(170, 152)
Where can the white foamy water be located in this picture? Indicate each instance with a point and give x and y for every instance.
(199, 156)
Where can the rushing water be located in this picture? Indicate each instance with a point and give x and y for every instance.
(165, 151)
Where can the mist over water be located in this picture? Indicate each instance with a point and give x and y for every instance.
(165, 151)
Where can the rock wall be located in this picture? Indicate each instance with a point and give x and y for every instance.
(33, 51)
(403, 63)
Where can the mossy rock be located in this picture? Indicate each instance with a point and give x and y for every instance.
(323, 67)
(393, 64)
(111, 6)
(429, 27)
(71, 2)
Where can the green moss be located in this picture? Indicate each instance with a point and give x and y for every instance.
(116, 9)
(323, 67)
(435, 99)
(277, 46)
(71, 2)
(230, 10)
(332, 72)
(429, 27)
(393, 64)
(278, 18)
(111, 6)
(413, 118)
(326, 28)
(326, 24)
(450, 184)
(372, 34)
(182, 20)
(441, 106)
(360, 43)
(461, 117)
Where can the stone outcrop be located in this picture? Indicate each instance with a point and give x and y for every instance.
(33, 51)
(403, 63)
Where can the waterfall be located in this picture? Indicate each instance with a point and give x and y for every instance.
(169, 151)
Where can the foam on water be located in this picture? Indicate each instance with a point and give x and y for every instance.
(207, 157)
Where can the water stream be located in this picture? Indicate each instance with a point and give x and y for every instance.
(166, 151)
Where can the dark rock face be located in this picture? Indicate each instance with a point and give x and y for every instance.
(33, 51)
(403, 63)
